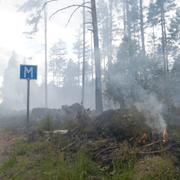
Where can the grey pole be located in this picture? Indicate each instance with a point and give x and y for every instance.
(84, 54)
(28, 102)
(46, 58)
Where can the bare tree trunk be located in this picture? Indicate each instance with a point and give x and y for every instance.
(53, 72)
(84, 53)
(165, 56)
(92, 57)
(79, 71)
(163, 38)
(46, 70)
(124, 18)
(166, 48)
(110, 33)
(128, 21)
(142, 27)
(154, 42)
(98, 83)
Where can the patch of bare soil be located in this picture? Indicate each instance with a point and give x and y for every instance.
(7, 141)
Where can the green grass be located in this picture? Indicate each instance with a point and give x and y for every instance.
(156, 168)
(40, 160)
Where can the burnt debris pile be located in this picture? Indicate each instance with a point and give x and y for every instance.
(108, 134)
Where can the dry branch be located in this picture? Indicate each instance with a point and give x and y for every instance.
(155, 152)
(71, 6)
(47, 2)
(106, 150)
(151, 144)
(69, 146)
(70, 17)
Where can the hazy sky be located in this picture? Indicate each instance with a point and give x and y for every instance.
(13, 24)
(12, 38)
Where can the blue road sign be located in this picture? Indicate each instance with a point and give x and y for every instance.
(28, 72)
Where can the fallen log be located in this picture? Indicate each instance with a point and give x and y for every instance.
(155, 152)
(151, 144)
(106, 150)
(69, 146)
(59, 131)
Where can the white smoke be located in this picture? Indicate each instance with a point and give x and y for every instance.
(126, 87)
(152, 109)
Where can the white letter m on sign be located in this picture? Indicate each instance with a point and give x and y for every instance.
(28, 72)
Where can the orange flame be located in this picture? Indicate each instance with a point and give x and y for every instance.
(165, 136)
(144, 138)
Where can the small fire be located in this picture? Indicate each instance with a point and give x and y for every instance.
(165, 136)
(144, 138)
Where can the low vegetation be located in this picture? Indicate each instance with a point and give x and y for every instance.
(85, 153)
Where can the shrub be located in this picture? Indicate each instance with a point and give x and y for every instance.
(46, 124)
(123, 164)
(155, 168)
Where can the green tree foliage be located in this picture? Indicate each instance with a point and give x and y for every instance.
(133, 75)
(12, 83)
(174, 34)
(78, 51)
(71, 75)
(34, 9)
(58, 62)
(157, 16)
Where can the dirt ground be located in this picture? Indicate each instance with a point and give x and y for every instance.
(7, 140)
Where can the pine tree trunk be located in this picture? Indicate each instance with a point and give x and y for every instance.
(98, 84)
(154, 42)
(46, 70)
(84, 54)
(92, 57)
(110, 34)
(124, 17)
(142, 27)
(163, 37)
(79, 71)
(128, 21)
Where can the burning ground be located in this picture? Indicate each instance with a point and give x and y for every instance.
(117, 144)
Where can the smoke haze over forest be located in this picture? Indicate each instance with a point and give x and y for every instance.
(128, 67)
(90, 89)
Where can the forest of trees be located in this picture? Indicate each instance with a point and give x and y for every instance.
(125, 50)
(106, 108)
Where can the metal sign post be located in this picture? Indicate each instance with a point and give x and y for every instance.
(28, 102)
(28, 72)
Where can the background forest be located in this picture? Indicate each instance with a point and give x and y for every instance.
(139, 57)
